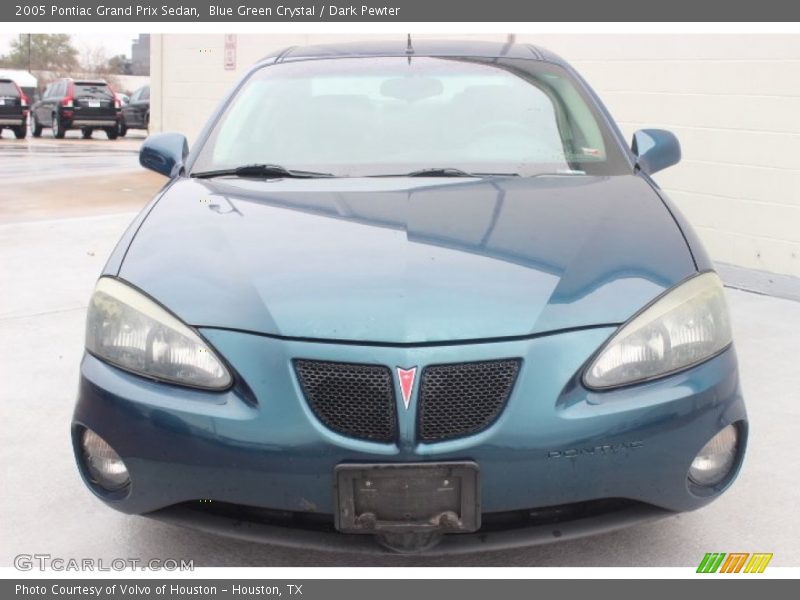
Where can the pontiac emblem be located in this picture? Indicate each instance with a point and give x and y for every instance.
(406, 377)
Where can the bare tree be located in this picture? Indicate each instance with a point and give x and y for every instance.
(94, 60)
(95, 64)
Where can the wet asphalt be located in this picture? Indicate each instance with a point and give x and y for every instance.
(48, 158)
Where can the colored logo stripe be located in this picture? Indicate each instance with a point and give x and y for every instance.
(758, 562)
(711, 562)
(735, 561)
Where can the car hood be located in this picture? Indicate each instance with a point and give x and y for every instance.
(407, 260)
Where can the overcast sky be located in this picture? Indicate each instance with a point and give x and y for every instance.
(114, 43)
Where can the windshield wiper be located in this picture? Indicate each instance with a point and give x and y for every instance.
(440, 172)
(446, 172)
(260, 170)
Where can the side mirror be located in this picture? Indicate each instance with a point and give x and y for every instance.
(164, 153)
(655, 149)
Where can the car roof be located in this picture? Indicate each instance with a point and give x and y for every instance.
(421, 47)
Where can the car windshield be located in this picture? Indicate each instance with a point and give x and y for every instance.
(397, 115)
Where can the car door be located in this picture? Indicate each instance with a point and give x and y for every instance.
(51, 104)
(144, 107)
(138, 107)
(39, 109)
(128, 112)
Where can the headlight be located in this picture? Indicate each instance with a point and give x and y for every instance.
(126, 328)
(687, 325)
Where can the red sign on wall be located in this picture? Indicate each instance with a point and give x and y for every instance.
(230, 51)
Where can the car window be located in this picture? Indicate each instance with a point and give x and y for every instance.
(145, 93)
(135, 96)
(377, 116)
(8, 89)
(95, 91)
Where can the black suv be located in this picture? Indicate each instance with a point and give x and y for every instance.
(136, 114)
(13, 108)
(70, 104)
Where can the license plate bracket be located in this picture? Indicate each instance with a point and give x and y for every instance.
(407, 497)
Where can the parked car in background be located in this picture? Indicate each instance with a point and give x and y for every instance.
(70, 104)
(124, 99)
(26, 81)
(136, 113)
(13, 108)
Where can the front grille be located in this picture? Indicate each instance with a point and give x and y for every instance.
(461, 399)
(352, 399)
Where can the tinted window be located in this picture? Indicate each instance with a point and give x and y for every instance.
(145, 93)
(357, 116)
(96, 91)
(8, 89)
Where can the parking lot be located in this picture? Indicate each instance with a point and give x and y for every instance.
(63, 205)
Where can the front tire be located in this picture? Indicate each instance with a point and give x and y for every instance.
(58, 128)
(20, 132)
(111, 132)
(123, 128)
(86, 133)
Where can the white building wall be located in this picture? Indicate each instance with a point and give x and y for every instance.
(733, 100)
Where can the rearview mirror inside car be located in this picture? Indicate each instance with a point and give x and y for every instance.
(164, 153)
(412, 89)
(655, 149)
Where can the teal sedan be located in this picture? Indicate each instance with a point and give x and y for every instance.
(419, 294)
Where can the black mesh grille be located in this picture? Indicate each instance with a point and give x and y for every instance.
(354, 400)
(461, 399)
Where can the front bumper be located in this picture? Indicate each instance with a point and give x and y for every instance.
(253, 527)
(556, 443)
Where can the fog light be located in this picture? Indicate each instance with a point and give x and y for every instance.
(105, 466)
(713, 463)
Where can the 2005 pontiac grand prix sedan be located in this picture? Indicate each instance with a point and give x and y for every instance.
(418, 293)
